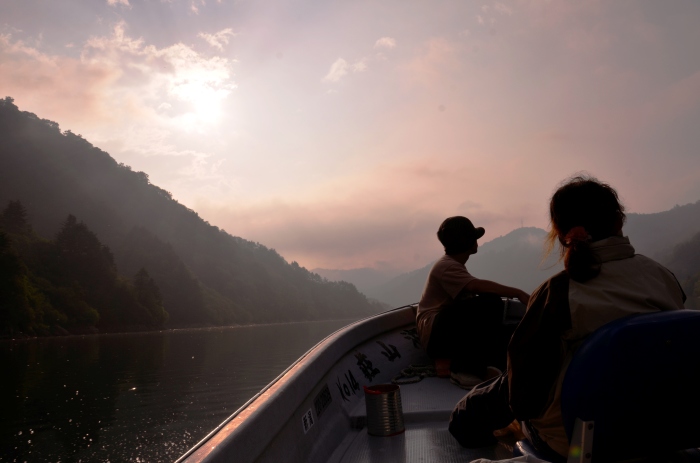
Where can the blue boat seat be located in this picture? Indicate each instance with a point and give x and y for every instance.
(632, 391)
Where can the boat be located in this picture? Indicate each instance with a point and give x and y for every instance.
(316, 410)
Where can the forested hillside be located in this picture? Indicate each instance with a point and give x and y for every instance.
(68, 283)
(685, 263)
(204, 275)
(656, 235)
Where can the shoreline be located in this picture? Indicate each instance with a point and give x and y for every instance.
(23, 337)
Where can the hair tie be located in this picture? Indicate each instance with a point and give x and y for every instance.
(577, 234)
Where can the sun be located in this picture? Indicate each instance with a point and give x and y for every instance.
(203, 92)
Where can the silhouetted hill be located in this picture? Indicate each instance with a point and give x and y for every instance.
(363, 278)
(513, 259)
(685, 258)
(673, 238)
(206, 275)
(684, 261)
(655, 235)
(68, 283)
(403, 289)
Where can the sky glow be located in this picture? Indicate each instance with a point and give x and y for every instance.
(342, 133)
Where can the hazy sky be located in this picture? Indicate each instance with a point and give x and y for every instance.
(341, 133)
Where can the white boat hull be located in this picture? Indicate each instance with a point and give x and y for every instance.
(315, 411)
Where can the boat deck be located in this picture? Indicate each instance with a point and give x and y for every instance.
(315, 410)
(427, 406)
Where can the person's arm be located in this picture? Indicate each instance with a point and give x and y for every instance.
(536, 350)
(487, 286)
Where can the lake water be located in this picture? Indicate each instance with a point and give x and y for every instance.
(144, 397)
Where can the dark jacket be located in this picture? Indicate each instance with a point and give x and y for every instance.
(562, 312)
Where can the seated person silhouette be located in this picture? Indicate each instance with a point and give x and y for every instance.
(460, 316)
(604, 280)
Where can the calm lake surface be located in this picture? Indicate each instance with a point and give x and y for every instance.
(144, 397)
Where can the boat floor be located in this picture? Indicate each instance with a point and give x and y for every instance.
(324, 380)
(426, 406)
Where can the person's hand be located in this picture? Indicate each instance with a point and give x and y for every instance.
(523, 297)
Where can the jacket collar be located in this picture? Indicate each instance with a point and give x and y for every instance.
(613, 248)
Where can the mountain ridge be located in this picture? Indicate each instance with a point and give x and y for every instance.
(665, 236)
(55, 174)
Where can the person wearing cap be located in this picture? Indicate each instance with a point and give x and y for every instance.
(460, 316)
(603, 280)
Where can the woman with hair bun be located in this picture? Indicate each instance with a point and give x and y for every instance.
(603, 280)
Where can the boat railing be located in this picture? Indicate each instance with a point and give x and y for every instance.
(309, 352)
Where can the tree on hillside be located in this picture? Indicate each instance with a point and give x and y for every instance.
(684, 262)
(15, 311)
(85, 262)
(68, 283)
(8, 101)
(31, 311)
(148, 295)
(24, 305)
(14, 219)
(82, 257)
(182, 295)
(215, 278)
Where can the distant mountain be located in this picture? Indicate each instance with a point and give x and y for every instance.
(655, 235)
(684, 262)
(403, 289)
(363, 278)
(513, 260)
(205, 275)
(672, 238)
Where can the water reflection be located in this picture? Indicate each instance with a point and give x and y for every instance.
(136, 397)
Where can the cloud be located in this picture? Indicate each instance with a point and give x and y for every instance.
(385, 42)
(337, 71)
(340, 69)
(219, 39)
(501, 8)
(342, 223)
(134, 99)
(360, 66)
(567, 87)
(64, 88)
(678, 101)
(354, 232)
(436, 63)
(469, 206)
(139, 102)
(118, 2)
(150, 76)
(195, 4)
